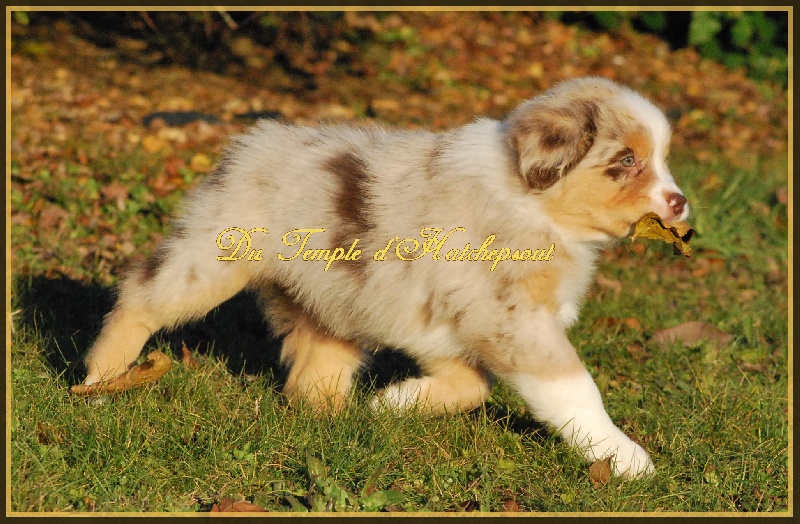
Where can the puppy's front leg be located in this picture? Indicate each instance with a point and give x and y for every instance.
(545, 369)
(572, 404)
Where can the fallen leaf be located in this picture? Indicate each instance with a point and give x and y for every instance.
(470, 505)
(225, 505)
(243, 506)
(171, 134)
(782, 195)
(753, 368)
(153, 144)
(52, 216)
(200, 163)
(678, 234)
(510, 506)
(623, 323)
(748, 295)
(385, 104)
(775, 277)
(708, 264)
(600, 471)
(608, 283)
(116, 192)
(157, 364)
(638, 353)
(163, 185)
(690, 333)
(187, 358)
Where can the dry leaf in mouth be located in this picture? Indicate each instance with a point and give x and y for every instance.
(678, 233)
(157, 364)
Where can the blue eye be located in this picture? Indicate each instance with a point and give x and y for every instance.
(628, 161)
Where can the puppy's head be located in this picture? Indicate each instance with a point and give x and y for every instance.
(595, 154)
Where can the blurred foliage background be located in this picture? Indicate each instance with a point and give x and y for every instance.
(753, 40)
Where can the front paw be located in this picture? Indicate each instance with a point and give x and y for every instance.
(632, 461)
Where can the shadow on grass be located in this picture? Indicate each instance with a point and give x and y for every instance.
(68, 314)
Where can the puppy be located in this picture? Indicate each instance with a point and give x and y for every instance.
(562, 176)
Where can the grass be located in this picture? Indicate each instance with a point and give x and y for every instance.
(714, 416)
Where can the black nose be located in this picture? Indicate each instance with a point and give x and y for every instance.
(677, 202)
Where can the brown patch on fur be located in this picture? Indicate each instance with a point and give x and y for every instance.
(503, 289)
(551, 141)
(192, 276)
(427, 311)
(640, 142)
(615, 170)
(351, 204)
(180, 231)
(351, 201)
(344, 238)
(153, 264)
(540, 178)
(554, 140)
(634, 193)
(322, 366)
(282, 310)
(542, 285)
(433, 158)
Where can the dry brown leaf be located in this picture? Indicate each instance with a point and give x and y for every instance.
(678, 234)
(187, 358)
(600, 471)
(227, 505)
(706, 265)
(245, 507)
(52, 216)
(638, 353)
(470, 505)
(608, 283)
(157, 365)
(622, 323)
(753, 368)
(782, 195)
(116, 192)
(748, 295)
(510, 506)
(690, 333)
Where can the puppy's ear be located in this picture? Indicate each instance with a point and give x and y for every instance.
(550, 138)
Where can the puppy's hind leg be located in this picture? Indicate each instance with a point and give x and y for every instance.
(448, 385)
(322, 366)
(174, 286)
